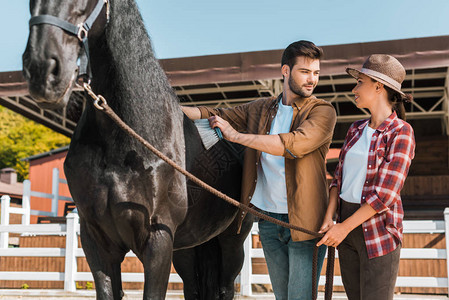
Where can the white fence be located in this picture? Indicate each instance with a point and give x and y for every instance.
(71, 252)
(247, 278)
(26, 210)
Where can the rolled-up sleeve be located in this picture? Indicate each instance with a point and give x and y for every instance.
(311, 134)
(393, 171)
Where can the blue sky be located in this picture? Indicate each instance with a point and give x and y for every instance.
(180, 28)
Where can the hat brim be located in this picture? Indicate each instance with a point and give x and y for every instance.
(355, 73)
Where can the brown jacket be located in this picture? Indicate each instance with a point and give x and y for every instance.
(306, 146)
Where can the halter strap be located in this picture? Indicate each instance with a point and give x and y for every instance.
(81, 31)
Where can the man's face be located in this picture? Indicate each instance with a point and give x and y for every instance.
(303, 77)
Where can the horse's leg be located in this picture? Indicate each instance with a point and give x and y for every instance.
(104, 262)
(156, 257)
(184, 262)
(232, 255)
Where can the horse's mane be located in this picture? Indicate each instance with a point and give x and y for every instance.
(140, 79)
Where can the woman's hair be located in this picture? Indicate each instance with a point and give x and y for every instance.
(397, 100)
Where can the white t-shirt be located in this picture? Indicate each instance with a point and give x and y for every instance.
(271, 191)
(355, 166)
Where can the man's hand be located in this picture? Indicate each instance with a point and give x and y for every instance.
(270, 144)
(228, 131)
(328, 223)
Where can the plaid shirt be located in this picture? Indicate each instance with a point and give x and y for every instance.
(391, 151)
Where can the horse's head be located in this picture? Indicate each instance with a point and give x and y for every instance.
(51, 55)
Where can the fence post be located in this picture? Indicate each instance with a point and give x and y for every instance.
(247, 269)
(26, 202)
(4, 236)
(55, 192)
(71, 245)
(446, 230)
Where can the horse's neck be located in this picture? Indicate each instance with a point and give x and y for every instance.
(126, 71)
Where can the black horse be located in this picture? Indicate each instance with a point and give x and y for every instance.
(127, 198)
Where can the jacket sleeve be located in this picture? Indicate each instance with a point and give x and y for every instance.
(236, 116)
(393, 170)
(311, 134)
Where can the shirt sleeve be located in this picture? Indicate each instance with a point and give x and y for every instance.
(311, 134)
(393, 170)
(236, 116)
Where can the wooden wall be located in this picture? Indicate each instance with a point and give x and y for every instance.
(407, 267)
(41, 171)
(435, 268)
(431, 157)
(56, 264)
(426, 185)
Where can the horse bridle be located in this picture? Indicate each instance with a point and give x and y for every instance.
(80, 31)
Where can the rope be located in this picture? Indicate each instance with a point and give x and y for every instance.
(101, 104)
(314, 272)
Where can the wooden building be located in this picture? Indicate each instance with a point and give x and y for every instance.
(40, 176)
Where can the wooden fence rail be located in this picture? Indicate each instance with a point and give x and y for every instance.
(70, 275)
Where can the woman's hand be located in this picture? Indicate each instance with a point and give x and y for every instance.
(227, 130)
(334, 236)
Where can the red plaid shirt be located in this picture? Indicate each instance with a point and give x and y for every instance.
(391, 151)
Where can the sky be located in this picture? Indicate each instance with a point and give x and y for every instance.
(180, 28)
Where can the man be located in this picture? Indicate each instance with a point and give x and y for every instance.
(284, 173)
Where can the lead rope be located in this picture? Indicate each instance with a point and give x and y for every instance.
(101, 104)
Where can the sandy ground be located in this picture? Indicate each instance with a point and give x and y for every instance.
(131, 295)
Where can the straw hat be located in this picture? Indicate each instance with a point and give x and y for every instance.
(383, 68)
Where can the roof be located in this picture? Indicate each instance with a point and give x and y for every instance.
(233, 79)
(429, 52)
(45, 154)
(12, 190)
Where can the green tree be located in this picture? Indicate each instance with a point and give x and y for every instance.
(21, 137)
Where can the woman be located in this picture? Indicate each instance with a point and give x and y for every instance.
(373, 164)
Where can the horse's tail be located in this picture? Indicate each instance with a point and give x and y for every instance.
(208, 265)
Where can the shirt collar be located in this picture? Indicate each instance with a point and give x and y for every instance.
(296, 103)
(385, 124)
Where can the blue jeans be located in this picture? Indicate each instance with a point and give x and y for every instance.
(289, 263)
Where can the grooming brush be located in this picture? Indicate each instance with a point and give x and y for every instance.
(209, 136)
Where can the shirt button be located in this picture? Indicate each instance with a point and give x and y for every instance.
(363, 197)
(366, 181)
(249, 197)
(366, 230)
(369, 166)
(268, 132)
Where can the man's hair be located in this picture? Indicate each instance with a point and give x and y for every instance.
(300, 48)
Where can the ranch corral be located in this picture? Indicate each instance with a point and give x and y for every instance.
(231, 79)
